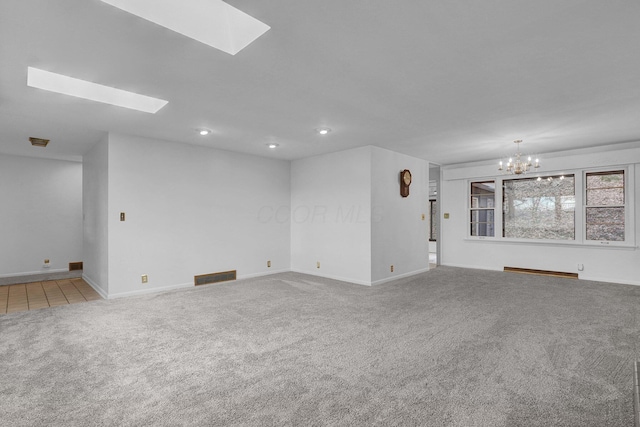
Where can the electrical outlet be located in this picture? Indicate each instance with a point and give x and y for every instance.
(318, 264)
(121, 216)
(392, 268)
(424, 217)
(145, 278)
(268, 263)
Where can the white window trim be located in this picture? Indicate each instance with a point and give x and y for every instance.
(579, 213)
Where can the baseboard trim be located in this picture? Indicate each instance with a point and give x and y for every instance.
(34, 273)
(471, 267)
(151, 290)
(608, 280)
(39, 276)
(332, 277)
(95, 286)
(400, 276)
(583, 277)
(262, 274)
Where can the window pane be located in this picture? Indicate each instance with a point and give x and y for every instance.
(605, 224)
(605, 197)
(483, 194)
(482, 222)
(482, 229)
(482, 203)
(539, 208)
(434, 217)
(605, 179)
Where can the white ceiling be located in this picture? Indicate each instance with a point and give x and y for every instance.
(446, 80)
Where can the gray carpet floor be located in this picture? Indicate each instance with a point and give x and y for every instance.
(450, 347)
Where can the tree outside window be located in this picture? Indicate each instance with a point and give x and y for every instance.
(605, 206)
(539, 208)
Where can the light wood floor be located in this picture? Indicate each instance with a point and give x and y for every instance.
(32, 296)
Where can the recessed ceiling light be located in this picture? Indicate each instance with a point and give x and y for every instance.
(204, 132)
(212, 22)
(273, 145)
(323, 131)
(66, 85)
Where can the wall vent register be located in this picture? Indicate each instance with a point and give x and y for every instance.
(205, 279)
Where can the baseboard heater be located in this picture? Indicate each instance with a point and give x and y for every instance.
(223, 276)
(636, 394)
(541, 272)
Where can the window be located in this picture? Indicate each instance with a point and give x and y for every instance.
(605, 206)
(433, 217)
(482, 208)
(539, 208)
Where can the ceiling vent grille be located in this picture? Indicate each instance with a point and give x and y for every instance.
(205, 279)
(38, 142)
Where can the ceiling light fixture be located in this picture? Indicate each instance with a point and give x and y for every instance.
(204, 132)
(323, 131)
(212, 22)
(519, 166)
(66, 85)
(273, 145)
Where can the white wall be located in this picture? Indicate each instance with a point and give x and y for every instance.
(399, 235)
(621, 265)
(95, 209)
(191, 210)
(331, 215)
(40, 215)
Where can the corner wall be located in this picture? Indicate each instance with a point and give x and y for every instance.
(347, 214)
(191, 210)
(399, 235)
(331, 215)
(95, 184)
(41, 215)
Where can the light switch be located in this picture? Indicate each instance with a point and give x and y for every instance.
(121, 216)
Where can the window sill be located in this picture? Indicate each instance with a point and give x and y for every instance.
(592, 245)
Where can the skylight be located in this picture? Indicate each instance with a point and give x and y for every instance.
(212, 22)
(65, 85)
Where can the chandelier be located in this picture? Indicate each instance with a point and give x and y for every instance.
(518, 166)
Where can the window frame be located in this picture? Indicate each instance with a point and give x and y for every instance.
(629, 231)
(536, 178)
(580, 175)
(471, 208)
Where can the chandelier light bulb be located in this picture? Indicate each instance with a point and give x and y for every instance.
(519, 166)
